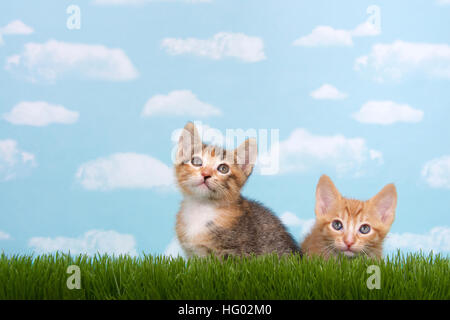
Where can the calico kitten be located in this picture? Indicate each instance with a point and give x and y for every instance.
(349, 226)
(214, 217)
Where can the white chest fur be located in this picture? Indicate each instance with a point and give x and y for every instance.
(196, 215)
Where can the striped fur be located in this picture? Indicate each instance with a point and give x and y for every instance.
(378, 213)
(214, 218)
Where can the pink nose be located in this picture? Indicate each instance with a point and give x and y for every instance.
(349, 242)
(206, 173)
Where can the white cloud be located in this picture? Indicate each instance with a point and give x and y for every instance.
(16, 27)
(361, 62)
(436, 240)
(387, 112)
(221, 45)
(365, 29)
(376, 155)
(304, 151)
(40, 113)
(400, 58)
(53, 59)
(4, 236)
(290, 220)
(328, 92)
(174, 249)
(140, 2)
(178, 103)
(443, 2)
(13, 161)
(302, 226)
(124, 170)
(325, 36)
(436, 172)
(90, 243)
(13, 60)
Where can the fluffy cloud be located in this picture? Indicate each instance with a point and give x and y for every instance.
(13, 161)
(436, 172)
(39, 114)
(400, 58)
(365, 29)
(4, 236)
(174, 249)
(124, 170)
(53, 59)
(140, 2)
(387, 112)
(436, 240)
(326, 36)
(178, 103)
(221, 45)
(443, 2)
(328, 92)
(303, 151)
(15, 27)
(290, 220)
(91, 243)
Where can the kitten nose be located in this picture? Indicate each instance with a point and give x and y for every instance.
(206, 173)
(349, 242)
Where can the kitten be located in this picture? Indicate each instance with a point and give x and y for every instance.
(214, 217)
(349, 226)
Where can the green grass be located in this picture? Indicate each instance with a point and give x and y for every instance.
(268, 277)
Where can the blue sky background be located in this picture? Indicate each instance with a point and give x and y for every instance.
(48, 201)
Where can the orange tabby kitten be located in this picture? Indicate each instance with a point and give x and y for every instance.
(349, 226)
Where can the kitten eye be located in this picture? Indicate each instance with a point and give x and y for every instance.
(337, 225)
(197, 161)
(223, 168)
(364, 229)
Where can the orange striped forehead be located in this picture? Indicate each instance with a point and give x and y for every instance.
(353, 210)
(353, 207)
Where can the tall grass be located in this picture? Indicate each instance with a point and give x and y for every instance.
(414, 276)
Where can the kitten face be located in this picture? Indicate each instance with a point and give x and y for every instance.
(210, 172)
(353, 227)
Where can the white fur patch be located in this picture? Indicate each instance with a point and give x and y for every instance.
(196, 215)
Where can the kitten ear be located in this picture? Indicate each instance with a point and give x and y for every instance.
(246, 155)
(327, 196)
(384, 204)
(189, 143)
